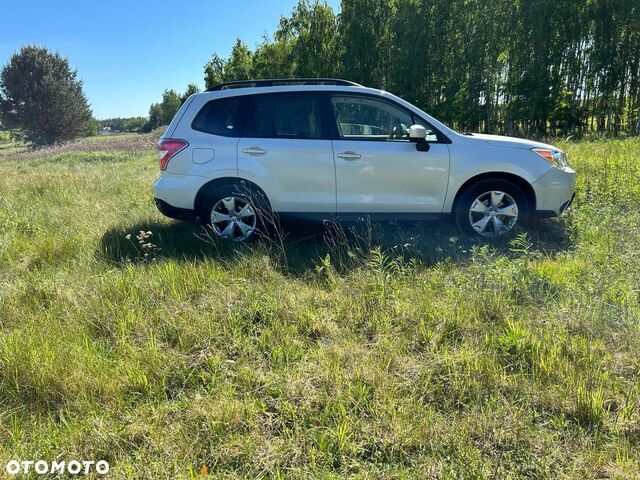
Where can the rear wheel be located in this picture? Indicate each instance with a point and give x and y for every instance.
(491, 208)
(235, 214)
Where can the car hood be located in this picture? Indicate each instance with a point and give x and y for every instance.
(509, 142)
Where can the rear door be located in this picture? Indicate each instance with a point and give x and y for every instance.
(286, 149)
(378, 170)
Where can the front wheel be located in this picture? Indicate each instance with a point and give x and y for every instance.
(491, 208)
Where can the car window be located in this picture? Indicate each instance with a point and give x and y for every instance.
(286, 116)
(370, 119)
(220, 117)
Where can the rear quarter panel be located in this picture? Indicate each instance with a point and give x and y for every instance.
(207, 155)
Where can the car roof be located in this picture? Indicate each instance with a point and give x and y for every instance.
(239, 91)
(275, 82)
(235, 89)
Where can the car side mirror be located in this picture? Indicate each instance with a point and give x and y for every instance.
(418, 134)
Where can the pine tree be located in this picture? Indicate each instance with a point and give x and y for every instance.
(239, 65)
(214, 71)
(41, 96)
(191, 89)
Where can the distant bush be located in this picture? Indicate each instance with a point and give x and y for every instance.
(92, 128)
(5, 136)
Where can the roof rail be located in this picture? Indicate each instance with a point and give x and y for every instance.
(280, 82)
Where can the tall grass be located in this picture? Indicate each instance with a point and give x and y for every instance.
(397, 351)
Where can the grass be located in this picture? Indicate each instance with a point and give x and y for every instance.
(409, 353)
(120, 142)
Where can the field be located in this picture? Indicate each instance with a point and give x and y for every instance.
(400, 351)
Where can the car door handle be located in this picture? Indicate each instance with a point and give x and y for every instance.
(254, 151)
(349, 155)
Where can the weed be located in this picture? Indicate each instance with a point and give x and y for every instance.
(146, 250)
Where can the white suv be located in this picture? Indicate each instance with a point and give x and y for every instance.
(332, 149)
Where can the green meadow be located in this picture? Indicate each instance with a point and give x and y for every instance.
(384, 351)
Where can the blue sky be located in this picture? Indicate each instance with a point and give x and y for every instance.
(127, 53)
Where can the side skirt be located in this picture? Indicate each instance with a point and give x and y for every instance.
(313, 217)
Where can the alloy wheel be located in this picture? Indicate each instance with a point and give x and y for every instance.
(493, 213)
(233, 218)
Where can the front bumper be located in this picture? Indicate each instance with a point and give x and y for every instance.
(554, 191)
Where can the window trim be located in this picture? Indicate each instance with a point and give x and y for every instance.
(237, 133)
(335, 131)
(322, 114)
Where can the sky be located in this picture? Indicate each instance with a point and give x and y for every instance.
(127, 53)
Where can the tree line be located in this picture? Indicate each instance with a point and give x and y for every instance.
(528, 67)
(123, 124)
(517, 67)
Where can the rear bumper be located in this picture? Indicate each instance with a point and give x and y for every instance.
(178, 190)
(174, 212)
(555, 192)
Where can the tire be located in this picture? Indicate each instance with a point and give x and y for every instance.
(491, 208)
(236, 213)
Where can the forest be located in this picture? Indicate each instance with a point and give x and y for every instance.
(524, 67)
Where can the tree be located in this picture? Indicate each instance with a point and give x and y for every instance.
(214, 71)
(312, 30)
(162, 113)
(191, 89)
(239, 65)
(155, 117)
(42, 96)
(365, 36)
(272, 59)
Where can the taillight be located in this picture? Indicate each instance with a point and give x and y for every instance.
(167, 149)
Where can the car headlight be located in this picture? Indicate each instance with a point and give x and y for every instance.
(557, 158)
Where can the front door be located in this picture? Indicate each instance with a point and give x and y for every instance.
(378, 170)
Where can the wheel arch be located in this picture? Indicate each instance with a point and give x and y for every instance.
(216, 183)
(520, 182)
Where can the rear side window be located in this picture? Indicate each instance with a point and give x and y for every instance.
(220, 117)
(285, 116)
